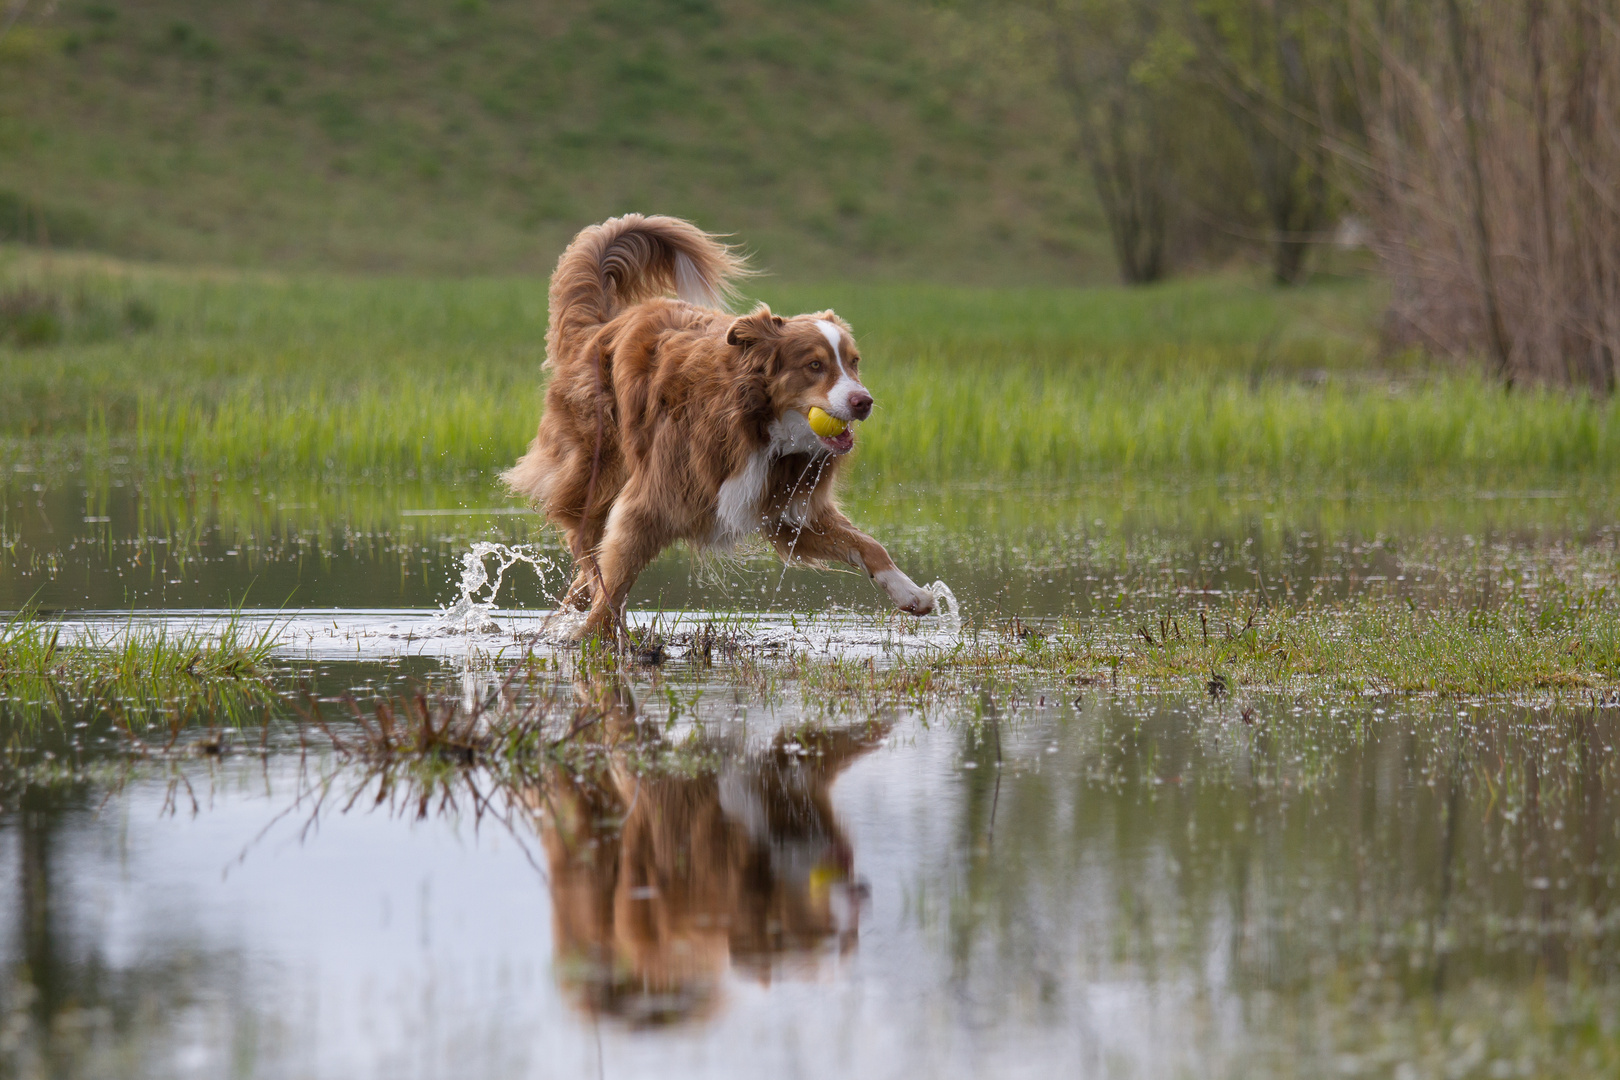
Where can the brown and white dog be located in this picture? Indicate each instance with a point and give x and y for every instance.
(667, 419)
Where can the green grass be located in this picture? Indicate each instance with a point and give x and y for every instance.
(329, 380)
(476, 136)
(1473, 622)
(1365, 646)
(1369, 646)
(131, 670)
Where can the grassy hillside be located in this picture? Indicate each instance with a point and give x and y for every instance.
(833, 137)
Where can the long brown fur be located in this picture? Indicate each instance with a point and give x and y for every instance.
(656, 402)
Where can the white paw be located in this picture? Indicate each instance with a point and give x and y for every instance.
(905, 593)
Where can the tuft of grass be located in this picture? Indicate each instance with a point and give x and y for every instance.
(134, 669)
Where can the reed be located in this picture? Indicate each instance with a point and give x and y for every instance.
(1488, 171)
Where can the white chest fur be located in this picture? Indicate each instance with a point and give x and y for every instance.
(737, 515)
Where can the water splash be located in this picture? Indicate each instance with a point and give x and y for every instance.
(945, 606)
(469, 614)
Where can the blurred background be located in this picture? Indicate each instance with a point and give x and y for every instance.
(970, 142)
(1472, 147)
(475, 137)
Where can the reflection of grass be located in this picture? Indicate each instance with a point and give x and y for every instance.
(1371, 884)
(411, 380)
(134, 668)
(437, 726)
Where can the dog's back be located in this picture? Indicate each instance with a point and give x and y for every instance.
(607, 269)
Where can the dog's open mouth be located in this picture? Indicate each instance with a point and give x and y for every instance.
(842, 443)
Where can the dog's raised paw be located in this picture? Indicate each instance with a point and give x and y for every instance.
(905, 593)
(921, 604)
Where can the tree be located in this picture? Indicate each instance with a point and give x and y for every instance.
(1119, 65)
(1279, 65)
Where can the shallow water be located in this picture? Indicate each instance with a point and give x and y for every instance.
(736, 878)
(384, 635)
(1110, 885)
(1039, 552)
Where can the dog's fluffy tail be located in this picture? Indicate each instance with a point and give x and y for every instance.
(632, 258)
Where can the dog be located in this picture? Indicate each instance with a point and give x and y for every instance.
(668, 419)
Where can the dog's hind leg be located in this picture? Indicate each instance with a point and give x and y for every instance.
(581, 540)
(634, 536)
(578, 595)
(831, 536)
(583, 530)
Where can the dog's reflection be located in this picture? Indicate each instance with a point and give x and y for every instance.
(662, 881)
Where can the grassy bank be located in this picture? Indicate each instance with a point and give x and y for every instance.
(1366, 646)
(250, 377)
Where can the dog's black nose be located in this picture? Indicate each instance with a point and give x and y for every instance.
(860, 405)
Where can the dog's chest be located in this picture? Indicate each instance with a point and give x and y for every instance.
(738, 514)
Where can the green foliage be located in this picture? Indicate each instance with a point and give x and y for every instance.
(305, 377)
(1202, 122)
(1282, 67)
(1121, 64)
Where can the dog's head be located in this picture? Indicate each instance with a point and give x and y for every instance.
(809, 361)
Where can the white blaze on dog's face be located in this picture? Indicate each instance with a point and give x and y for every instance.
(848, 399)
(819, 367)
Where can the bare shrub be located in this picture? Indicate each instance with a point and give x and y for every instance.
(1492, 157)
(1126, 113)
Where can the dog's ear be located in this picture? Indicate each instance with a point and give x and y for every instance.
(758, 325)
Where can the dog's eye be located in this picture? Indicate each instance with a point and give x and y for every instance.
(815, 365)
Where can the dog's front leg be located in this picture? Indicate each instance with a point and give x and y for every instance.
(831, 536)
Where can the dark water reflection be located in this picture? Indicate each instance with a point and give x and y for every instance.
(1030, 553)
(1115, 885)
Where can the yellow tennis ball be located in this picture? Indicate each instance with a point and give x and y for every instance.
(823, 876)
(825, 424)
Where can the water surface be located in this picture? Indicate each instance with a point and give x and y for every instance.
(737, 875)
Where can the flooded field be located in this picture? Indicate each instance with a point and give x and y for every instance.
(791, 834)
